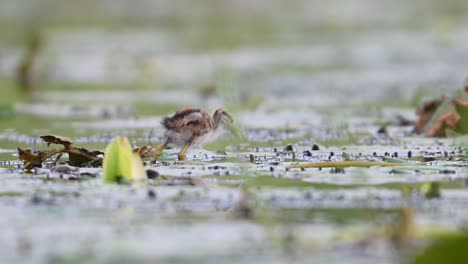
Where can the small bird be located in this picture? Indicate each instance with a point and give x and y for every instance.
(192, 126)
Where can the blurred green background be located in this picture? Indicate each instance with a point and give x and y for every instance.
(293, 72)
(245, 54)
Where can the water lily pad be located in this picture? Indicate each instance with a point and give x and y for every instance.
(446, 250)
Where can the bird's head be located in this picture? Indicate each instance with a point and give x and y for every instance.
(222, 117)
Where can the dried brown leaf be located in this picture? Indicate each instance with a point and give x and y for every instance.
(82, 156)
(145, 151)
(77, 156)
(436, 117)
(438, 128)
(34, 160)
(53, 139)
(425, 112)
(28, 157)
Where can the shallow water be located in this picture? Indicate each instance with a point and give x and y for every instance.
(305, 73)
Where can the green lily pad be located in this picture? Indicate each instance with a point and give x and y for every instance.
(445, 250)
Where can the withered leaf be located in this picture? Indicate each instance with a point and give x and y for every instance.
(425, 113)
(436, 117)
(445, 117)
(461, 105)
(53, 139)
(28, 157)
(82, 156)
(34, 160)
(145, 151)
(77, 156)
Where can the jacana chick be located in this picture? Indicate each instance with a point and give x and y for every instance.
(192, 126)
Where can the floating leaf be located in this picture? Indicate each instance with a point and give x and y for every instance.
(461, 106)
(53, 139)
(425, 113)
(396, 160)
(82, 156)
(344, 164)
(445, 250)
(441, 117)
(120, 163)
(269, 181)
(28, 157)
(145, 151)
(34, 160)
(446, 116)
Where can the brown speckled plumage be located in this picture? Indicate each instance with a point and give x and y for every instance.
(193, 119)
(186, 125)
(192, 126)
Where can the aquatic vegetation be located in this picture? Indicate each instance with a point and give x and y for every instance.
(450, 249)
(444, 117)
(121, 164)
(344, 164)
(323, 94)
(77, 156)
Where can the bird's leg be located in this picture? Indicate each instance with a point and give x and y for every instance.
(183, 151)
(158, 151)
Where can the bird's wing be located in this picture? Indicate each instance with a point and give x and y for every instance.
(194, 120)
(198, 123)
